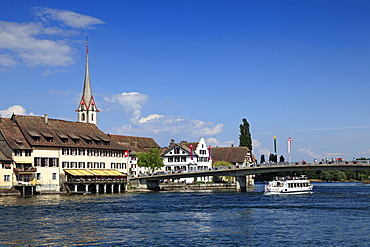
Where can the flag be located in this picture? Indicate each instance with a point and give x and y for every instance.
(126, 153)
(289, 145)
(275, 145)
(209, 152)
(191, 151)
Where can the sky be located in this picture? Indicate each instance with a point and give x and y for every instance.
(187, 69)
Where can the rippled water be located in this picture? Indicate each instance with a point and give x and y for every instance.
(337, 214)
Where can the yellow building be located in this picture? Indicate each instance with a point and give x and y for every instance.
(39, 151)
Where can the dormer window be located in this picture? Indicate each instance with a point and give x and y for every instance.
(34, 135)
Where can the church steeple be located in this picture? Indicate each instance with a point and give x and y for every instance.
(87, 111)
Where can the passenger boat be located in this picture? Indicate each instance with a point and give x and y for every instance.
(288, 185)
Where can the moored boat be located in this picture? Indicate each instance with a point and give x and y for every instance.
(289, 185)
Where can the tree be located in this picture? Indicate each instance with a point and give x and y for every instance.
(262, 159)
(245, 138)
(152, 160)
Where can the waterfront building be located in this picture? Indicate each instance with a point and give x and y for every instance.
(50, 155)
(187, 157)
(237, 156)
(42, 151)
(135, 145)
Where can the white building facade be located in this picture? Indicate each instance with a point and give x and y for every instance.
(188, 157)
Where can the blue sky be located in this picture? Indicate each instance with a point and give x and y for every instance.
(188, 69)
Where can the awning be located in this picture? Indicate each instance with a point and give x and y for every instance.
(94, 172)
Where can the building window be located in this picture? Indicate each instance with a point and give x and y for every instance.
(170, 159)
(65, 151)
(54, 176)
(65, 164)
(27, 152)
(49, 139)
(96, 164)
(6, 178)
(183, 159)
(54, 162)
(73, 164)
(38, 176)
(81, 152)
(82, 116)
(102, 165)
(89, 165)
(73, 151)
(81, 164)
(18, 152)
(5, 166)
(37, 161)
(177, 159)
(177, 150)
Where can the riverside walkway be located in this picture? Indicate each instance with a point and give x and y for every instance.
(241, 174)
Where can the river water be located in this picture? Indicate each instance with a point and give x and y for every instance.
(337, 214)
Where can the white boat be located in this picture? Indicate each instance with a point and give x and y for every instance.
(288, 185)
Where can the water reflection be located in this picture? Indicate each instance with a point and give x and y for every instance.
(333, 215)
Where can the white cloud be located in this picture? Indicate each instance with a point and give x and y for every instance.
(255, 144)
(150, 118)
(42, 43)
(155, 124)
(216, 143)
(16, 109)
(309, 153)
(7, 60)
(131, 102)
(69, 18)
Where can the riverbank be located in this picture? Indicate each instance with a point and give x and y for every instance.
(9, 192)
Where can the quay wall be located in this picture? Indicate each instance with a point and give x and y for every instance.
(197, 186)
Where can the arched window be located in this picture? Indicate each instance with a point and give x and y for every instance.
(92, 117)
(83, 117)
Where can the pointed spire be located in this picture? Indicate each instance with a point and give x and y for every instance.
(87, 111)
(87, 92)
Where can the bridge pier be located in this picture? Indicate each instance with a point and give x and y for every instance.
(243, 182)
(144, 184)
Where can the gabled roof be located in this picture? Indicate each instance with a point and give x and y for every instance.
(135, 143)
(229, 154)
(12, 134)
(183, 144)
(37, 131)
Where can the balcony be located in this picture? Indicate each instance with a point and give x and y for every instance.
(25, 170)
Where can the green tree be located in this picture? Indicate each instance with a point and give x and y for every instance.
(152, 160)
(245, 138)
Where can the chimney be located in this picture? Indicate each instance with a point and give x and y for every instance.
(46, 116)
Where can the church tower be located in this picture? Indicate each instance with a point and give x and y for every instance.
(87, 111)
